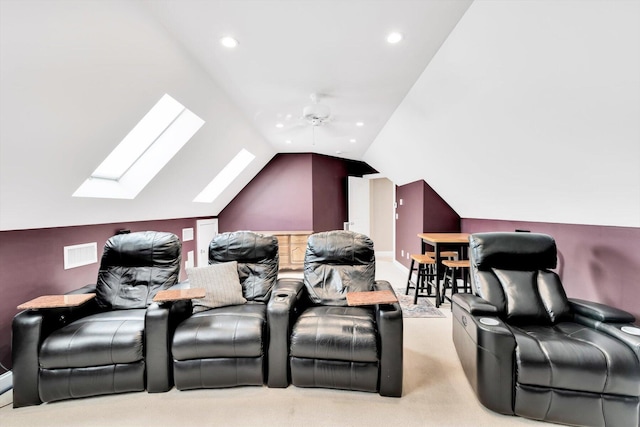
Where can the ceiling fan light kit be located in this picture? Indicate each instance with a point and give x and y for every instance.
(316, 114)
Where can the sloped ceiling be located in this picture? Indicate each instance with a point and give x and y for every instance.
(530, 111)
(522, 110)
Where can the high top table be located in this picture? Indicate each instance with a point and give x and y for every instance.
(441, 242)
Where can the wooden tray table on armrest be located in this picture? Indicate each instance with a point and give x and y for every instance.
(56, 301)
(179, 294)
(371, 298)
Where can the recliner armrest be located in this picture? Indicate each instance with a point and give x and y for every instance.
(281, 312)
(160, 323)
(600, 312)
(390, 328)
(475, 305)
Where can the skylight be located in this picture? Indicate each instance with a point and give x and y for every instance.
(161, 133)
(225, 177)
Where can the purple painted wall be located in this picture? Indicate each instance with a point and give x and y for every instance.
(294, 192)
(329, 193)
(278, 198)
(596, 263)
(422, 210)
(32, 264)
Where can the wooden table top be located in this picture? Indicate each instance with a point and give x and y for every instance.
(56, 301)
(445, 237)
(371, 298)
(179, 294)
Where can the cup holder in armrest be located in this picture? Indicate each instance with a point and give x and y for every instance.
(489, 321)
(631, 330)
(281, 297)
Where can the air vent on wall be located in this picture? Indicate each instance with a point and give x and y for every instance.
(79, 255)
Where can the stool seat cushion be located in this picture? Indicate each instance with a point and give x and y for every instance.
(335, 333)
(571, 356)
(231, 331)
(106, 338)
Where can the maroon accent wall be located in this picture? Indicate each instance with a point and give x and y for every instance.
(329, 193)
(422, 210)
(294, 192)
(595, 263)
(32, 264)
(278, 198)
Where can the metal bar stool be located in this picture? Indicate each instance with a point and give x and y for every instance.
(451, 268)
(423, 275)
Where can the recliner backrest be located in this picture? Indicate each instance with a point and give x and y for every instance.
(337, 262)
(257, 258)
(135, 266)
(511, 271)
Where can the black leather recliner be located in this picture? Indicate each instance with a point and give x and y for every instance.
(117, 342)
(227, 346)
(529, 351)
(333, 345)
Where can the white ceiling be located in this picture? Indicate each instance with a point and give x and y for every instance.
(516, 110)
(291, 49)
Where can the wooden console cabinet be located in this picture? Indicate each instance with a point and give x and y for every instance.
(291, 246)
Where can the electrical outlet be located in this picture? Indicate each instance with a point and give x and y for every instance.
(402, 253)
(407, 255)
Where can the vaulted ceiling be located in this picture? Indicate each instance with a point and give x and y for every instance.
(522, 110)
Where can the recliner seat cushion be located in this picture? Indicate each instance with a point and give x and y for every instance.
(232, 331)
(108, 338)
(335, 333)
(571, 356)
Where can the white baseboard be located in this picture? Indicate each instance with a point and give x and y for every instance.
(6, 381)
(401, 266)
(384, 254)
(6, 384)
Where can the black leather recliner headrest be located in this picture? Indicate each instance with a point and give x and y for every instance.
(340, 247)
(134, 267)
(513, 251)
(338, 262)
(257, 257)
(243, 247)
(141, 249)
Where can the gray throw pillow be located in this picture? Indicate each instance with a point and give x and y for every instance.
(221, 283)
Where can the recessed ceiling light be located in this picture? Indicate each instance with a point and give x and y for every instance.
(288, 141)
(352, 140)
(228, 41)
(359, 124)
(394, 37)
(279, 125)
(338, 152)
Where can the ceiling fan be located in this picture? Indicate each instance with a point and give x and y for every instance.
(315, 115)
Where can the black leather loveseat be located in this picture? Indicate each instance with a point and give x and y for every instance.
(527, 350)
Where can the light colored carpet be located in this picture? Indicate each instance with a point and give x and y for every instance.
(436, 393)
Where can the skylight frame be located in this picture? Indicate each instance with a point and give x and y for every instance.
(225, 177)
(148, 147)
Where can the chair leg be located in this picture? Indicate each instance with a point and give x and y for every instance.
(419, 283)
(406, 291)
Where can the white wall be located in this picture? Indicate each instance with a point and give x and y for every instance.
(75, 77)
(529, 112)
